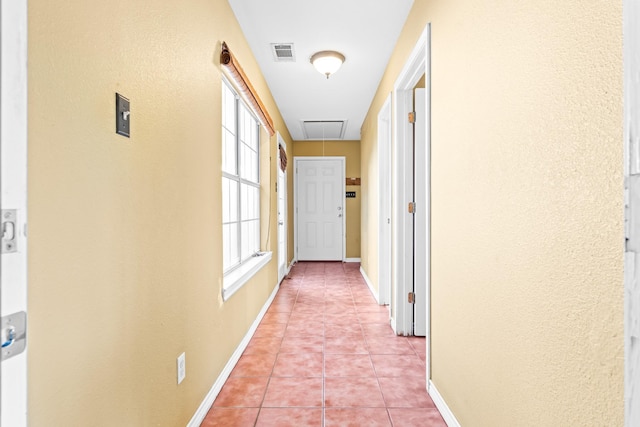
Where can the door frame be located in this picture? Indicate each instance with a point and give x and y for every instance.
(631, 47)
(282, 188)
(417, 65)
(421, 220)
(13, 379)
(298, 159)
(384, 207)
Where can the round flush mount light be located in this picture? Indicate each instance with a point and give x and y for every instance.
(327, 62)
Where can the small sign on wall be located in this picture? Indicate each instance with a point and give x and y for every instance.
(350, 195)
(353, 181)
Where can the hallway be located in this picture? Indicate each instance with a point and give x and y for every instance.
(325, 355)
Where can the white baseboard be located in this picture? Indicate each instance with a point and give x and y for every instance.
(370, 285)
(204, 407)
(442, 406)
(392, 322)
(352, 260)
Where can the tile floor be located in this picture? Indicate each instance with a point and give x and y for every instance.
(325, 355)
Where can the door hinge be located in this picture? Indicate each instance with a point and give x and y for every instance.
(412, 207)
(276, 186)
(412, 117)
(412, 298)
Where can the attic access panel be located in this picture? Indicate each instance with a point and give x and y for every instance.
(324, 129)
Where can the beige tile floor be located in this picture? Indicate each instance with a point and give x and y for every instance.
(325, 355)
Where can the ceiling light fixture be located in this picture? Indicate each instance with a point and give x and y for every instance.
(327, 62)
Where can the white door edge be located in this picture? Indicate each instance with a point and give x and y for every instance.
(13, 378)
(402, 221)
(631, 47)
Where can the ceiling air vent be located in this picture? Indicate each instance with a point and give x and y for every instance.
(324, 129)
(283, 52)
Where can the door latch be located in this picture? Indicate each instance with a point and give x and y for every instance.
(411, 298)
(13, 336)
(9, 231)
(412, 207)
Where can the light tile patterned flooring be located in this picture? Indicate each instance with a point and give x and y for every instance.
(325, 355)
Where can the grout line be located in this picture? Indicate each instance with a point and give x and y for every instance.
(324, 375)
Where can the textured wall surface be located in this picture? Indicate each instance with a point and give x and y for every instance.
(351, 151)
(125, 264)
(527, 223)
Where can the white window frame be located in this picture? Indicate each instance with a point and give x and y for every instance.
(237, 274)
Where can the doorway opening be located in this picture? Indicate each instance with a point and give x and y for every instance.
(384, 205)
(411, 203)
(281, 192)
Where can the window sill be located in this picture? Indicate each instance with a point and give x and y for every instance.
(233, 281)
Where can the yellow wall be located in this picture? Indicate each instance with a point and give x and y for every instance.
(351, 151)
(527, 233)
(125, 261)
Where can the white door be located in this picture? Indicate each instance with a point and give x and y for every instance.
(282, 216)
(320, 186)
(420, 217)
(13, 142)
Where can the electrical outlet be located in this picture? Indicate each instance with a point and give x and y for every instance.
(182, 368)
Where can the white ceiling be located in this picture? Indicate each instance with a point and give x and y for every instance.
(364, 31)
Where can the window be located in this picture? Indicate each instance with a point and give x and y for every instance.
(240, 181)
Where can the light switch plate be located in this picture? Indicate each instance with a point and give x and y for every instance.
(123, 115)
